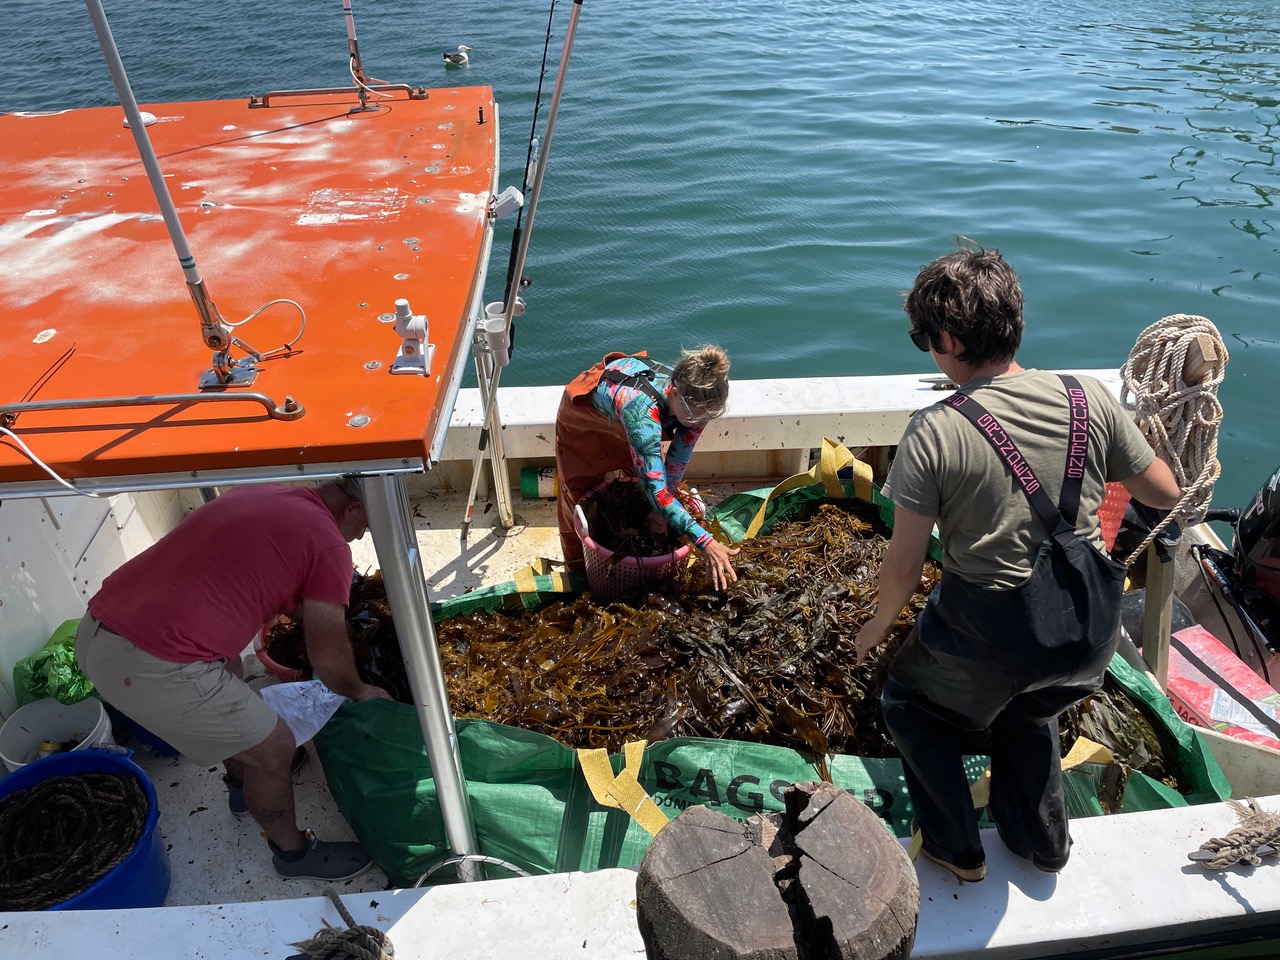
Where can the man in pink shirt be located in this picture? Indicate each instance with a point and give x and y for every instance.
(163, 636)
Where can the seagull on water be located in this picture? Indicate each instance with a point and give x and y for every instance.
(459, 59)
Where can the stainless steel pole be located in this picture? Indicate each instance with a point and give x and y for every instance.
(212, 328)
(145, 151)
(387, 507)
(485, 368)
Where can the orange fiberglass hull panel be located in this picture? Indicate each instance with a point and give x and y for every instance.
(300, 200)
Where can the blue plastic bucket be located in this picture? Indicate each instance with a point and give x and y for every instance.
(141, 879)
(126, 726)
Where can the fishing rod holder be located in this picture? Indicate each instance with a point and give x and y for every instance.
(506, 203)
(495, 332)
(416, 352)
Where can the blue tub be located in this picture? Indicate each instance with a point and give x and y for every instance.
(142, 878)
(126, 726)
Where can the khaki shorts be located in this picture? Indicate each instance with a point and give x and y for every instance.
(202, 709)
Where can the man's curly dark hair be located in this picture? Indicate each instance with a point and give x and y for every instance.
(974, 295)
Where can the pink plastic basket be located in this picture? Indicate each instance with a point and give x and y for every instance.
(287, 674)
(611, 578)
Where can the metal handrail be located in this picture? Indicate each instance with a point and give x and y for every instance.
(415, 93)
(291, 409)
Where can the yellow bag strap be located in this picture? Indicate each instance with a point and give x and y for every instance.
(835, 457)
(621, 792)
(979, 792)
(542, 567)
(1083, 750)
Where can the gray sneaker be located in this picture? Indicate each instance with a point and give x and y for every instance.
(322, 860)
(235, 791)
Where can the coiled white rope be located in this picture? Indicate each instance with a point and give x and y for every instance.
(1177, 409)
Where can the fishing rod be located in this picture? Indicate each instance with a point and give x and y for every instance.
(511, 302)
(533, 153)
(492, 340)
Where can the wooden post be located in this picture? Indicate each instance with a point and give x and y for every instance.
(1202, 357)
(824, 879)
(1157, 614)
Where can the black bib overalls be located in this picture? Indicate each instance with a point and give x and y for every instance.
(1005, 662)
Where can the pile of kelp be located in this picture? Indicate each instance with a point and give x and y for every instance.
(1110, 717)
(769, 660)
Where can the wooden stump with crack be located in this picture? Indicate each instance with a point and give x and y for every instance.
(820, 881)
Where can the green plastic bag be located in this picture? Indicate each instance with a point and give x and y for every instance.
(1208, 784)
(52, 671)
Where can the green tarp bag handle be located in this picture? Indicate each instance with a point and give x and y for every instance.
(835, 457)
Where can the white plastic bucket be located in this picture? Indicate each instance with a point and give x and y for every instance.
(50, 719)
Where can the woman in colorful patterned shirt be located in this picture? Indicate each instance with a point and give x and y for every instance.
(617, 416)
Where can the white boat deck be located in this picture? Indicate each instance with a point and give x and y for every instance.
(1127, 891)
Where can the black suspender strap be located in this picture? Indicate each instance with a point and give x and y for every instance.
(1059, 521)
(1077, 449)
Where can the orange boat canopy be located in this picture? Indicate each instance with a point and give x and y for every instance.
(341, 212)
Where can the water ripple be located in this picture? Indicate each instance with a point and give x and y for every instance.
(771, 176)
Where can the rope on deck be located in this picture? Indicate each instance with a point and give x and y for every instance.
(1257, 836)
(61, 835)
(359, 941)
(1176, 406)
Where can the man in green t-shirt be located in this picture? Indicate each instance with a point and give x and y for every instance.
(970, 666)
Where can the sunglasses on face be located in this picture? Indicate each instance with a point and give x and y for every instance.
(920, 339)
(685, 414)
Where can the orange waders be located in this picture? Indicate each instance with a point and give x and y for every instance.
(588, 445)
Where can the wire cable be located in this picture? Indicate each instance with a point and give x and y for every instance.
(279, 351)
(1217, 584)
(351, 68)
(44, 466)
(462, 858)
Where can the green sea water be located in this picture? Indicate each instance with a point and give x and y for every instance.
(771, 176)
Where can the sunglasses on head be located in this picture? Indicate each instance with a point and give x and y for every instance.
(920, 339)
